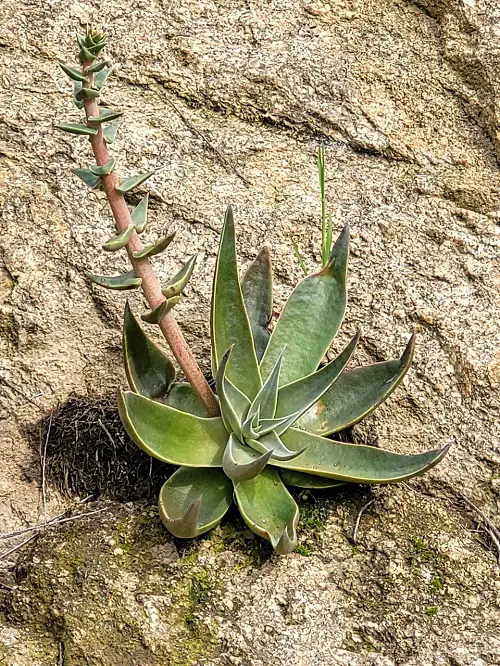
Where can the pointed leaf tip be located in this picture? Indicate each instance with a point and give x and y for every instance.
(131, 183)
(240, 463)
(120, 240)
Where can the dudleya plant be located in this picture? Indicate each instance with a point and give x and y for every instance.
(276, 404)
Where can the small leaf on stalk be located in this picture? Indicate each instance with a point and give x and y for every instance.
(101, 77)
(73, 73)
(109, 133)
(97, 66)
(178, 283)
(149, 371)
(85, 55)
(89, 178)
(154, 248)
(104, 169)
(87, 93)
(119, 241)
(77, 128)
(156, 315)
(134, 181)
(105, 115)
(119, 282)
(77, 86)
(241, 463)
(140, 214)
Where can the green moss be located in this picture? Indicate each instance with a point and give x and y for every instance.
(301, 549)
(431, 611)
(437, 584)
(422, 553)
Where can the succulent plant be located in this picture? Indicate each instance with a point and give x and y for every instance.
(276, 403)
(277, 406)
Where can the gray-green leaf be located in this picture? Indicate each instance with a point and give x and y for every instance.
(140, 214)
(105, 116)
(77, 128)
(73, 73)
(109, 133)
(257, 290)
(119, 282)
(156, 315)
(104, 169)
(178, 283)
(119, 241)
(154, 249)
(89, 178)
(134, 181)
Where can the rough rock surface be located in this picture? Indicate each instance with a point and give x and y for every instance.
(228, 101)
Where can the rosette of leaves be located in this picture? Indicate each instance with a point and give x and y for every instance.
(278, 403)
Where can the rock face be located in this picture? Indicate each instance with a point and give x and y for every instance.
(228, 101)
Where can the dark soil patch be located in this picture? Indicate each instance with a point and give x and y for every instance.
(89, 453)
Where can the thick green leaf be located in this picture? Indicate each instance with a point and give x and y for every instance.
(229, 320)
(297, 397)
(140, 214)
(301, 480)
(178, 283)
(89, 178)
(87, 93)
(105, 116)
(238, 400)
(279, 425)
(73, 73)
(269, 510)
(182, 397)
(77, 86)
(97, 66)
(193, 501)
(257, 289)
(77, 128)
(170, 435)
(272, 442)
(230, 415)
(311, 318)
(156, 315)
(149, 371)
(119, 282)
(104, 169)
(109, 133)
(355, 394)
(101, 77)
(266, 399)
(134, 181)
(354, 463)
(86, 55)
(241, 463)
(120, 240)
(154, 248)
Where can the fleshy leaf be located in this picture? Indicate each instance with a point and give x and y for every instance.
(311, 318)
(73, 73)
(257, 289)
(97, 66)
(178, 283)
(104, 169)
(87, 93)
(149, 371)
(354, 463)
(229, 320)
(269, 510)
(85, 55)
(231, 418)
(77, 86)
(105, 116)
(156, 315)
(77, 128)
(249, 427)
(278, 425)
(355, 394)
(134, 181)
(154, 248)
(109, 133)
(120, 240)
(266, 399)
(101, 77)
(182, 397)
(302, 480)
(241, 463)
(89, 178)
(170, 435)
(297, 397)
(140, 214)
(193, 501)
(119, 282)
(238, 400)
(272, 442)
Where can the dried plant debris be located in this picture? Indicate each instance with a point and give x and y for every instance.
(89, 453)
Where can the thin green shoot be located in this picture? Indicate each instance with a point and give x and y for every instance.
(299, 257)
